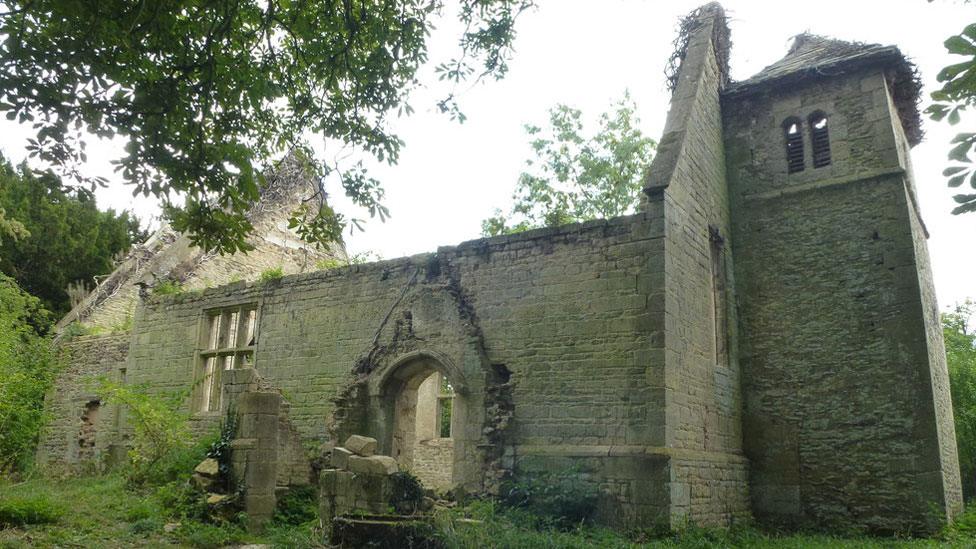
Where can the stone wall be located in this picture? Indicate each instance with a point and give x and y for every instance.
(562, 309)
(73, 391)
(840, 348)
(701, 373)
(168, 255)
(433, 462)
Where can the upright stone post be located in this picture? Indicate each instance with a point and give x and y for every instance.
(255, 454)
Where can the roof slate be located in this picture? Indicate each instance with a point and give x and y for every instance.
(817, 55)
(813, 55)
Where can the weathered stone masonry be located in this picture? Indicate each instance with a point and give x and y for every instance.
(757, 340)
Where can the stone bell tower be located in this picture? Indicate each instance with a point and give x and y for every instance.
(847, 418)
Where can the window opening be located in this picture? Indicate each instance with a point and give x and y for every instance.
(720, 324)
(118, 406)
(229, 344)
(794, 145)
(820, 139)
(445, 408)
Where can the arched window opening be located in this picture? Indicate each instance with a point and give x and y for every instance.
(794, 145)
(820, 139)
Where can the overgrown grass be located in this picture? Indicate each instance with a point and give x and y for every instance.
(108, 511)
(488, 524)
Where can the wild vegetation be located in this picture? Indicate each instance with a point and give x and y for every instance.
(574, 177)
(61, 236)
(208, 95)
(958, 94)
(28, 365)
(37, 513)
(960, 343)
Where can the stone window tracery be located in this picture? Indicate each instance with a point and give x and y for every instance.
(228, 342)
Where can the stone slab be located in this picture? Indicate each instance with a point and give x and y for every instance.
(360, 445)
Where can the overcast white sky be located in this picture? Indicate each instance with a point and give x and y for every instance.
(585, 53)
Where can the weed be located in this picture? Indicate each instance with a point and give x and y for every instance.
(298, 506)
(563, 499)
(329, 263)
(196, 534)
(167, 287)
(20, 511)
(269, 275)
(143, 526)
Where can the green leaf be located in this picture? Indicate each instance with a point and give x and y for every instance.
(960, 46)
(959, 153)
(957, 180)
(953, 170)
(187, 83)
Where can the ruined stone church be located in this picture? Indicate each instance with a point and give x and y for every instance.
(760, 339)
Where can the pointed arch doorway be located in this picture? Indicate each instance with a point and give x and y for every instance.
(424, 408)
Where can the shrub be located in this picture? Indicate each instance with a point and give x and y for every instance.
(28, 367)
(407, 494)
(181, 500)
(272, 274)
(298, 506)
(219, 449)
(175, 465)
(77, 329)
(563, 499)
(160, 431)
(167, 287)
(20, 511)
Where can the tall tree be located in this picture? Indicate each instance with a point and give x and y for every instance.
(960, 342)
(958, 93)
(572, 177)
(208, 93)
(64, 237)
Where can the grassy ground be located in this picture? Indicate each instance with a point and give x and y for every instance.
(105, 512)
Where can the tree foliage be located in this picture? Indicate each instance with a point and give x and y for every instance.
(572, 177)
(960, 342)
(958, 93)
(28, 365)
(62, 236)
(208, 93)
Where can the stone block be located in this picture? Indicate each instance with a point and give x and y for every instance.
(259, 403)
(360, 445)
(340, 457)
(216, 499)
(208, 468)
(328, 480)
(202, 482)
(373, 465)
(257, 505)
(243, 443)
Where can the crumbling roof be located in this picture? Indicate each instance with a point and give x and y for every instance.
(812, 55)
